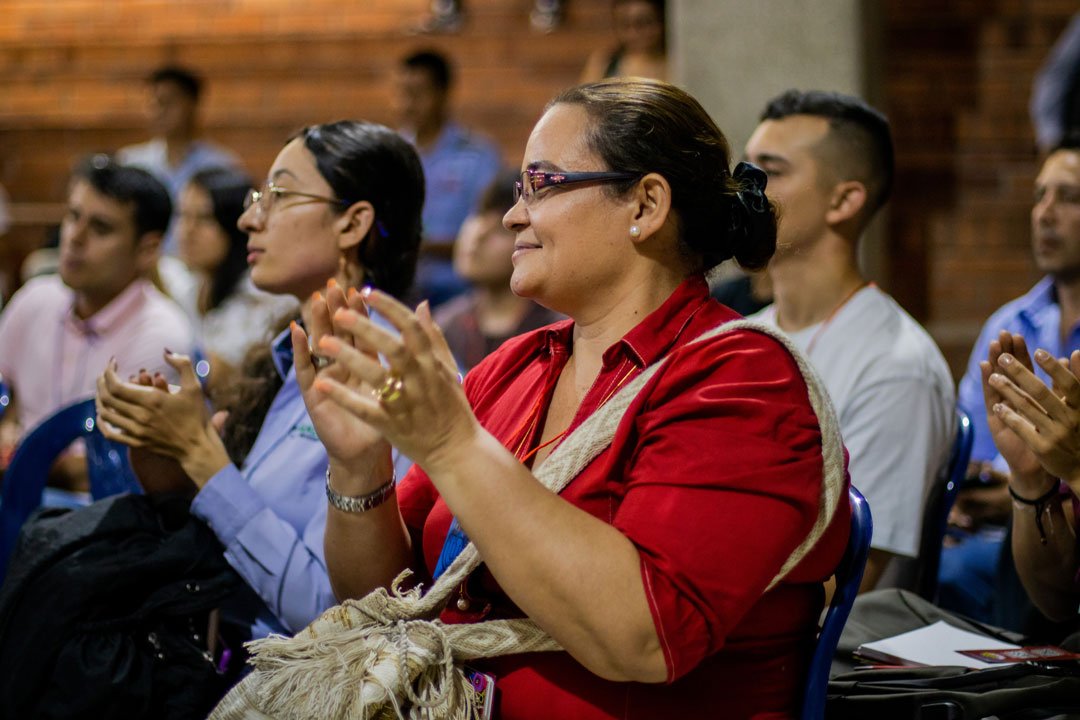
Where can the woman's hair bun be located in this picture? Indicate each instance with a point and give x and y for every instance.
(751, 218)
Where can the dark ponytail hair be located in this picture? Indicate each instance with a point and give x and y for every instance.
(366, 161)
(641, 126)
(227, 189)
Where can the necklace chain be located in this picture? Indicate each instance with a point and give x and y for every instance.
(529, 426)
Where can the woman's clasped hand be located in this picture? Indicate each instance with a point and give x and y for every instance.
(173, 422)
(413, 401)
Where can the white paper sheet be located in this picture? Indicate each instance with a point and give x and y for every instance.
(935, 645)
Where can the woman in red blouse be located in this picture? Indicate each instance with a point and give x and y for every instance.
(653, 568)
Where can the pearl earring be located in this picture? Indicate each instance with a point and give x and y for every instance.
(635, 231)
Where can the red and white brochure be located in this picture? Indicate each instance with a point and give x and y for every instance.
(1037, 653)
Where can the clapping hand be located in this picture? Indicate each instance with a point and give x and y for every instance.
(157, 473)
(348, 439)
(1039, 426)
(415, 402)
(153, 417)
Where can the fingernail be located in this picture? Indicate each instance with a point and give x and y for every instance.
(141, 371)
(366, 291)
(1005, 359)
(342, 315)
(169, 352)
(1041, 354)
(996, 379)
(293, 325)
(316, 296)
(353, 293)
(999, 408)
(331, 283)
(329, 343)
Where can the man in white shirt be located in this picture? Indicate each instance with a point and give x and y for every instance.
(830, 162)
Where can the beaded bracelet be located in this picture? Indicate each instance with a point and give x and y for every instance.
(360, 503)
(1039, 504)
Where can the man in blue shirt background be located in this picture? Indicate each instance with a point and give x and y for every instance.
(175, 153)
(1047, 317)
(458, 165)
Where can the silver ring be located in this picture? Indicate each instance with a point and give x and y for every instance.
(321, 361)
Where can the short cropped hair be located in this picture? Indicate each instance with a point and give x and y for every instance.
(187, 80)
(152, 207)
(863, 132)
(434, 64)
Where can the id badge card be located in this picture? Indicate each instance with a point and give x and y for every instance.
(483, 685)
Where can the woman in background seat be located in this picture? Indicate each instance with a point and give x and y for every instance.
(229, 313)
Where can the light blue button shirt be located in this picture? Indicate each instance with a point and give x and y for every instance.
(270, 514)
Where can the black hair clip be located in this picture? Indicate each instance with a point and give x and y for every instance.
(752, 180)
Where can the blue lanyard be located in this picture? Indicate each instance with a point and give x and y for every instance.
(455, 542)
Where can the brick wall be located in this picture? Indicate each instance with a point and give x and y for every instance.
(957, 82)
(71, 77)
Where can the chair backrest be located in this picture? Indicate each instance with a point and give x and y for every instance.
(939, 502)
(848, 576)
(24, 480)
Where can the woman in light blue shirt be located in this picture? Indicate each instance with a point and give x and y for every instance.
(342, 203)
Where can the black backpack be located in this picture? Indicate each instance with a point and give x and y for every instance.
(104, 613)
(1026, 691)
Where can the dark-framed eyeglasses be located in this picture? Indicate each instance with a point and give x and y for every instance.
(265, 197)
(532, 181)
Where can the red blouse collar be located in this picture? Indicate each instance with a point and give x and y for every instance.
(649, 340)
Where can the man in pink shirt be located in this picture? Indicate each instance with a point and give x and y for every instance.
(58, 332)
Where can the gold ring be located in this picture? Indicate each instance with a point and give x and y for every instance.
(390, 390)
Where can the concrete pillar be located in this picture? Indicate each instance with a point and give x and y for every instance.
(734, 55)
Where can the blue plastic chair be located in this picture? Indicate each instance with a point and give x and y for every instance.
(848, 576)
(24, 481)
(939, 503)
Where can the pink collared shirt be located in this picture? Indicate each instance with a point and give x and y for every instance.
(51, 358)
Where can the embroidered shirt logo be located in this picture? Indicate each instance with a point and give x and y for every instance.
(304, 430)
